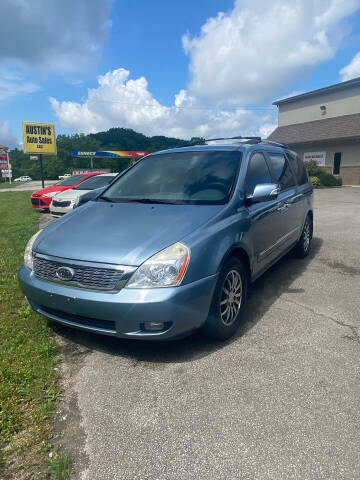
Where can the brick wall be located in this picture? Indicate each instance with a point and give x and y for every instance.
(350, 174)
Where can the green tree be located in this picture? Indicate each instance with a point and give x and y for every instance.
(112, 139)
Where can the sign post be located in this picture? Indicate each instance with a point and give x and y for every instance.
(41, 171)
(39, 138)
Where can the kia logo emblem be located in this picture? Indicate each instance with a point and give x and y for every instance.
(65, 273)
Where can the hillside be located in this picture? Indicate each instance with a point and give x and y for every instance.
(112, 139)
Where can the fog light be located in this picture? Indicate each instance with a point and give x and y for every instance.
(154, 326)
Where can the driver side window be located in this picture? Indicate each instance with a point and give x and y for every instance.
(257, 172)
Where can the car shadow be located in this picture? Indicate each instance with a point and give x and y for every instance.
(263, 293)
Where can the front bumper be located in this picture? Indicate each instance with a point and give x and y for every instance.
(58, 211)
(122, 314)
(40, 202)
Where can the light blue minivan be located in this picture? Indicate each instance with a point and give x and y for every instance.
(172, 244)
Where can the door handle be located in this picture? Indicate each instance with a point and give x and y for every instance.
(283, 208)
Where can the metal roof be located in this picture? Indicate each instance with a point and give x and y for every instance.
(355, 82)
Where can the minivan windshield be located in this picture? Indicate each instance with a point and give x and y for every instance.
(95, 182)
(195, 177)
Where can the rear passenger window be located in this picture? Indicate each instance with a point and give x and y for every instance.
(282, 171)
(299, 168)
(257, 173)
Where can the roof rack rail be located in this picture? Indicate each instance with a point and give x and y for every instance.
(276, 144)
(258, 139)
(253, 140)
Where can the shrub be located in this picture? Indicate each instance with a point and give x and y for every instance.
(315, 181)
(320, 178)
(313, 168)
(328, 180)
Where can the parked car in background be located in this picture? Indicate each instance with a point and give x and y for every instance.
(66, 175)
(172, 245)
(66, 201)
(23, 178)
(41, 199)
(90, 195)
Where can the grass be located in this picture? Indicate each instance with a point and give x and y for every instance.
(28, 355)
(7, 184)
(59, 467)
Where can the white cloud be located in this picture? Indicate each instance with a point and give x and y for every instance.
(63, 36)
(121, 101)
(250, 54)
(12, 84)
(352, 70)
(239, 60)
(7, 138)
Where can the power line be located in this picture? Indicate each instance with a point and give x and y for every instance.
(227, 108)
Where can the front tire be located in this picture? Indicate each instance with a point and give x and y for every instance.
(304, 244)
(228, 301)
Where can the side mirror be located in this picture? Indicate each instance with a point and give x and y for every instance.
(263, 192)
(86, 197)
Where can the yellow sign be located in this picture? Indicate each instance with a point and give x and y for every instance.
(39, 138)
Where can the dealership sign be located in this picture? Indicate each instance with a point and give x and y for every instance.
(4, 162)
(318, 157)
(110, 153)
(39, 138)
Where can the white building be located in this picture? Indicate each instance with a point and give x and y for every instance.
(324, 125)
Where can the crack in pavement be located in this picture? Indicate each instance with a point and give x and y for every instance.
(354, 330)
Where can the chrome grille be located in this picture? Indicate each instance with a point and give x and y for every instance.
(85, 276)
(59, 203)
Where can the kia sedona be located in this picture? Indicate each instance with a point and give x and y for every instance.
(172, 245)
(41, 199)
(66, 201)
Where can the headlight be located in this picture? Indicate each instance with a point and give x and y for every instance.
(28, 255)
(50, 194)
(165, 269)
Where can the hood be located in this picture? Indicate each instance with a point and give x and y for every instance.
(70, 194)
(52, 188)
(121, 233)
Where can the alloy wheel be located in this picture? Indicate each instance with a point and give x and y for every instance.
(306, 235)
(231, 296)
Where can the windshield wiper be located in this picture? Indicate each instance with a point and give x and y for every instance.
(106, 199)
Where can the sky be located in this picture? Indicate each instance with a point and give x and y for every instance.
(177, 68)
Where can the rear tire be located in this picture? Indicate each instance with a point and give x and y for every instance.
(228, 301)
(303, 246)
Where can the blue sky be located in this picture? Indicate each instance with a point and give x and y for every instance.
(225, 69)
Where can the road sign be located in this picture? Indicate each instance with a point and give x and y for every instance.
(39, 138)
(34, 157)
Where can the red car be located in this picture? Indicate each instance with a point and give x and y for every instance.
(42, 198)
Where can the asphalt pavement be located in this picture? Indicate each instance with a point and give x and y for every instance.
(279, 401)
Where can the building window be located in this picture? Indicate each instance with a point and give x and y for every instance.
(337, 163)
